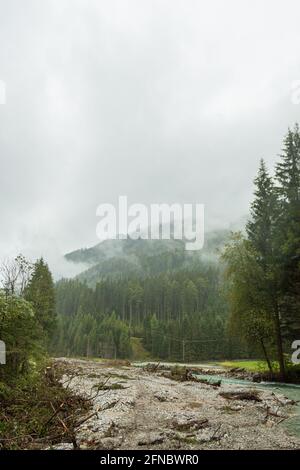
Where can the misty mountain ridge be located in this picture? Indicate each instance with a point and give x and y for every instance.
(144, 257)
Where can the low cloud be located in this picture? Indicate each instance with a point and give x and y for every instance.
(162, 101)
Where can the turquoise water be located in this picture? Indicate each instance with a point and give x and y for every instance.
(290, 391)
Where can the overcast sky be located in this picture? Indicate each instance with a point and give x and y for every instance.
(159, 100)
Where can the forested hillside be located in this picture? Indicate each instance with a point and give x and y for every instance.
(171, 299)
(153, 290)
(142, 258)
(179, 316)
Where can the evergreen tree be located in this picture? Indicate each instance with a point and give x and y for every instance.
(259, 228)
(21, 333)
(288, 232)
(40, 292)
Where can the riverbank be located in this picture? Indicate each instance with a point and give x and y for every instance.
(253, 371)
(134, 408)
(36, 411)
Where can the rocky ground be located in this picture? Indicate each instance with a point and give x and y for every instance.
(132, 408)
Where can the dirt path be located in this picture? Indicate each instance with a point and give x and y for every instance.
(136, 409)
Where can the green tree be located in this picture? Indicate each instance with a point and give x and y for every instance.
(288, 232)
(250, 305)
(21, 333)
(260, 231)
(40, 292)
(260, 226)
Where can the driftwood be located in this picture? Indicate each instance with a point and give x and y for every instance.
(150, 367)
(55, 412)
(180, 374)
(271, 412)
(62, 409)
(95, 413)
(241, 395)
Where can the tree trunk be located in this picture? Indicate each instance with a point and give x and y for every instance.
(279, 346)
(266, 355)
(88, 347)
(130, 314)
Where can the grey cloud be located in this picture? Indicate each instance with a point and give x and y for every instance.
(164, 101)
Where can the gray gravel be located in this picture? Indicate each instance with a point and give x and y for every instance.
(141, 410)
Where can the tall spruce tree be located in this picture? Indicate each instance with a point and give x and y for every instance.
(40, 292)
(260, 226)
(288, 232)
(260, 231)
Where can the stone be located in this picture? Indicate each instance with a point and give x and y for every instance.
(187, 422)
(151, 439)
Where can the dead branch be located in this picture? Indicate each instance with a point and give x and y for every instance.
(86, 419)
(241, 395)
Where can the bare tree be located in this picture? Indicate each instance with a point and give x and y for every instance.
(15, 275)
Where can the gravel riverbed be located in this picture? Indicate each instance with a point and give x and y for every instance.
(136, 409)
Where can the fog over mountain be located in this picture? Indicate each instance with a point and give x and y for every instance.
(157, 100)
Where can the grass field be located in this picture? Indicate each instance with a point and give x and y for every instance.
(252, 366)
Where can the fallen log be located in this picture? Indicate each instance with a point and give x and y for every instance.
(150, 367)
(188, 422)
(180, 374)
(241, 395)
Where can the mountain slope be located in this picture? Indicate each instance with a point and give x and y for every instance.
(139, 258)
